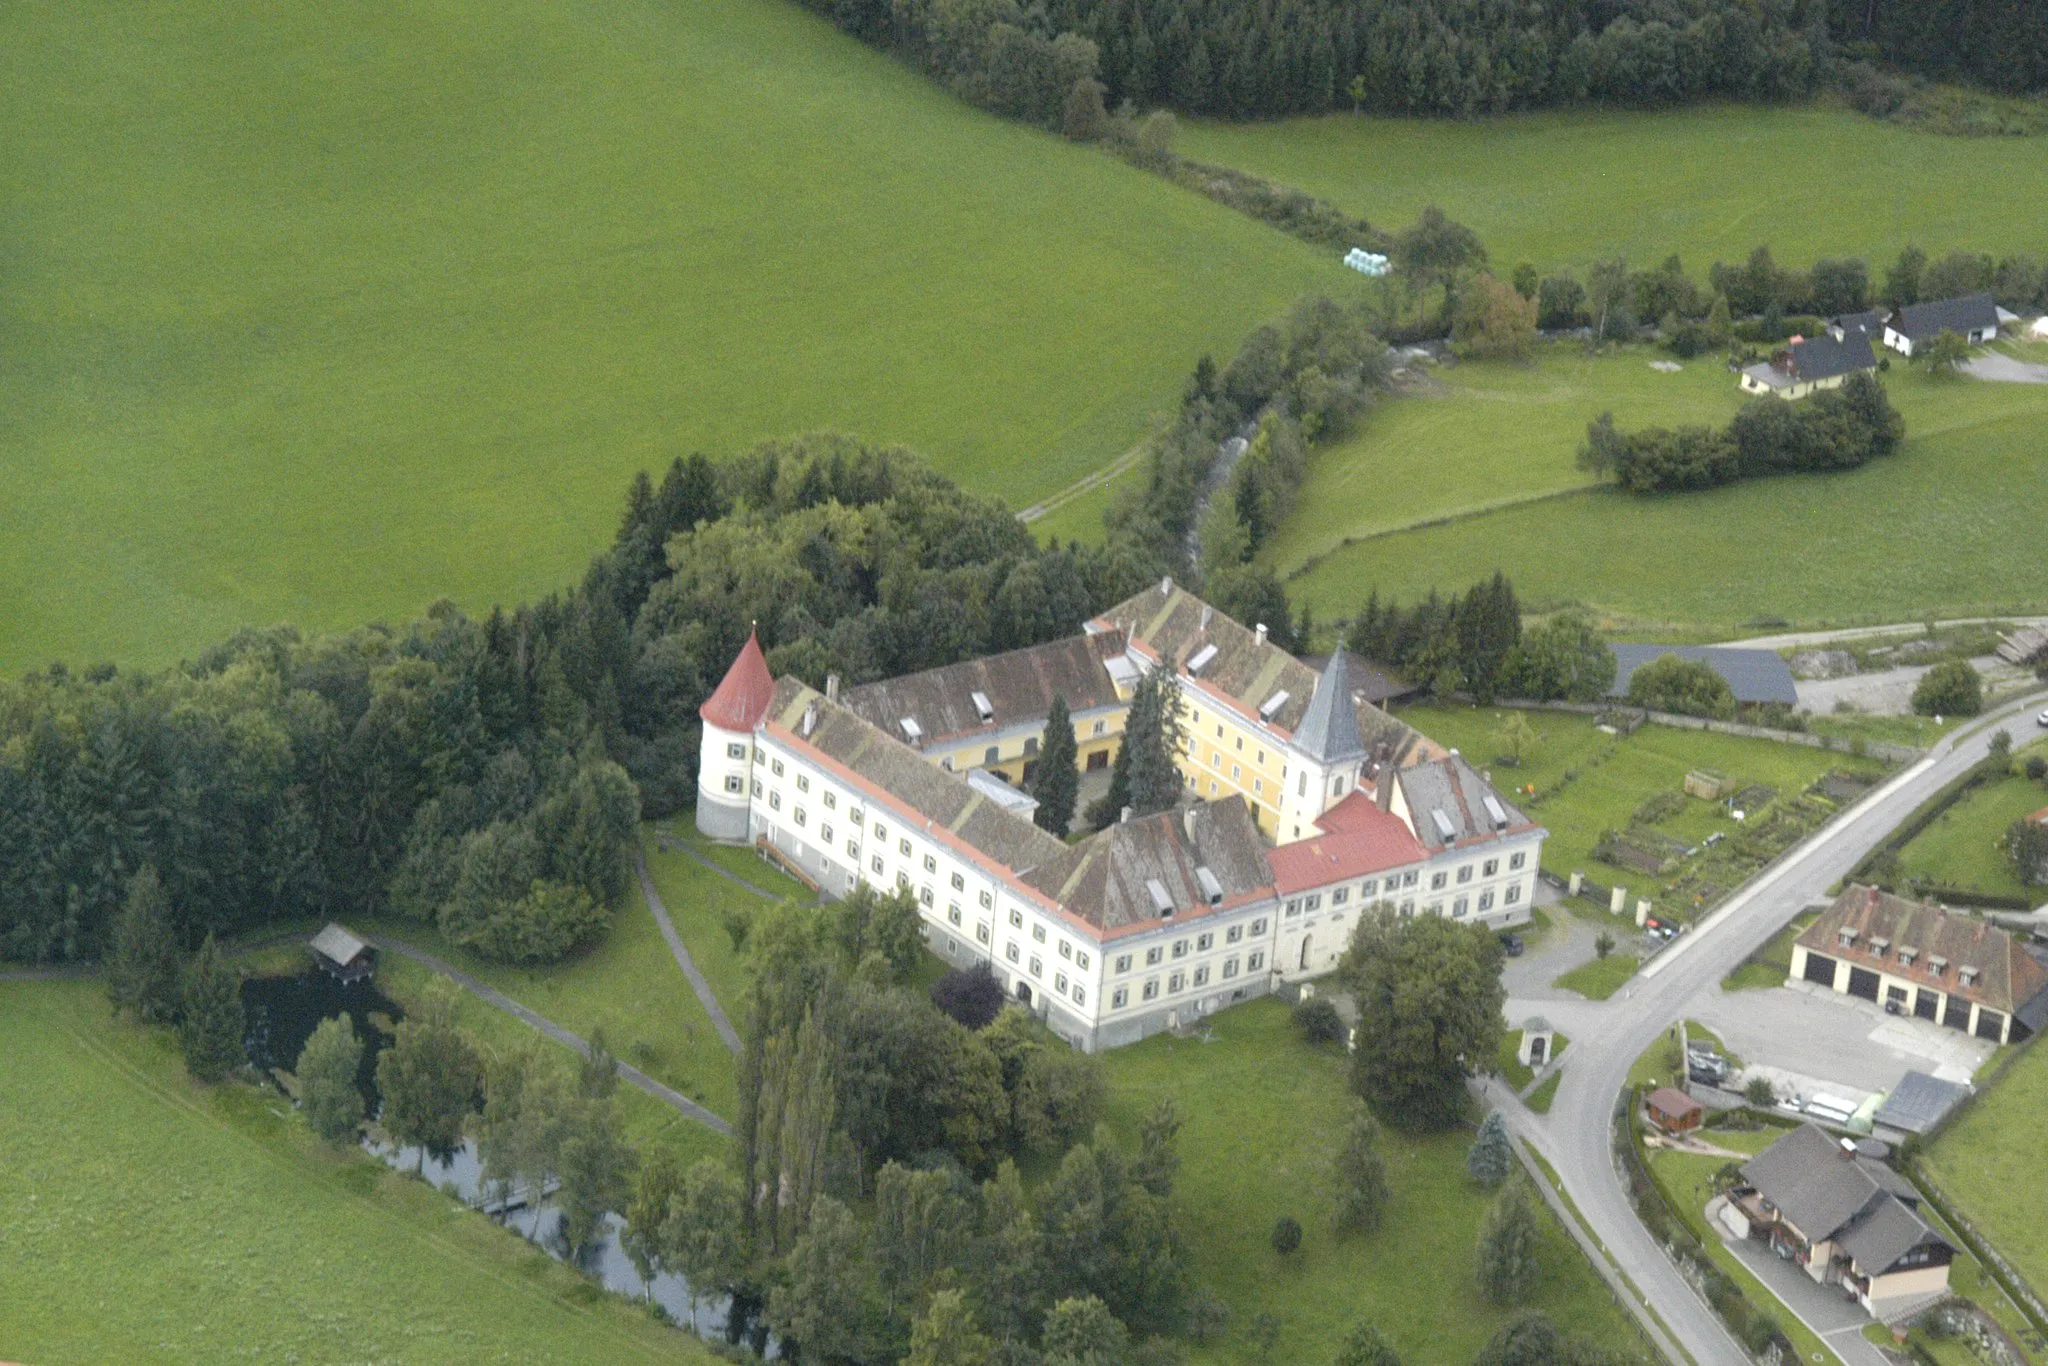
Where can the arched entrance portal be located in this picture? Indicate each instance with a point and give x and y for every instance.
(1305, 941)
(1024, 992)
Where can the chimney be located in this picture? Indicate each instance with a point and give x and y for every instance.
(1260, 632)
(1125, 817)
(1383, 790)
(1187, 821)
(810, 718)
(831, 687)
(1165, 585)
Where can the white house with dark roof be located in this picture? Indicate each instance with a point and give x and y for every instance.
(1809, 364)
(1153, 921)
(1974, 318)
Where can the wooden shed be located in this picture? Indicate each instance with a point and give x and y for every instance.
(1674, 1111)
(342, 955)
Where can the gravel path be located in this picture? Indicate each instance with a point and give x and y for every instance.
(668, 1095)
(719, 1020)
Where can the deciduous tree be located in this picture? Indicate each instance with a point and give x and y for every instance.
(1429, 1012)
(1363, 1346)
(326, 1072)
(429, 1076)
(1363, 1191)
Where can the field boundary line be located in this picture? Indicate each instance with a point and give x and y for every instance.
(1085, 485)
(1437, 519)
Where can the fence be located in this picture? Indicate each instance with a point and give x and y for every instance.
(1876, 749)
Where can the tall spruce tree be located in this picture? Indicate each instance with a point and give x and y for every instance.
(1361, 1170)
(1058, 781)
(1152, 737)
(1491, 1158)
(210, 1031)
(1506, 1262)
(142, 959)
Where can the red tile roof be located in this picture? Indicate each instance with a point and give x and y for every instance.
(742, 698)
(1357, 839)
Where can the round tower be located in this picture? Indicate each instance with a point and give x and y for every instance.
(725, 762)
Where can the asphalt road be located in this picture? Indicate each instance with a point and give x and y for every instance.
(1607, 1039)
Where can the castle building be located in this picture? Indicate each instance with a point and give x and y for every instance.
(1301, 813)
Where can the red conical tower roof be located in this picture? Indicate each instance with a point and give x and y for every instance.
(742, 698)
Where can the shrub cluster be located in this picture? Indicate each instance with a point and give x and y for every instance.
(1835, 429)
(1475, 643)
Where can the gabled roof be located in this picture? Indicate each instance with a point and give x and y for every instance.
(1018, 688)
(741, 698)
(1357, 839)
(1814, 1182)
(337, 945)
(1886, 1233)
(1819, 358)
(1870, 322)
(1449, 804)
(1753, 675)
(1969, 313)
(1109, 879)
(1329, 728)
(1918, 1103)
(1926, 945)
(886, 767)
(1172, 627)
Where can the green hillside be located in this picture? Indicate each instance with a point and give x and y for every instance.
(320, 313)
(1706, 183)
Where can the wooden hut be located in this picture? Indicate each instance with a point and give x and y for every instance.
(1673, 1111)
(342, 955)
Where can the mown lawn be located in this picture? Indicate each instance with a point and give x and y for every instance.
(1948, 526)
(1601, 978)
(1961, 848)
(1989, 1163)
(1613, 775)
(147, 1219)
(1705, 183)
(322, 313)
(1263, 1112)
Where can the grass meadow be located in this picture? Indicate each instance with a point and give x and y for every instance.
(321, 314)
(1950, 525)
(1709, 184)
(1961, 848)
(148, 1219)
(1988, 1162)
(1263, 1113)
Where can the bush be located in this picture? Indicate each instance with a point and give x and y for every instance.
(1318, 1021)
(1286, 1235)
(1673, 683)
(1949, 689)
(2036, 768)
(972, 996)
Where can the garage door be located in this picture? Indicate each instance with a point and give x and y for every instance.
(1927, 1004)
(1820, 968)
(1990, 1024)
(1863, 982)
(1957, 1016)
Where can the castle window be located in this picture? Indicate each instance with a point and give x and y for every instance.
(735, 751)
(803, 782)
(733, 783)
(777, 766)
(1119, 998)
(1255, 962)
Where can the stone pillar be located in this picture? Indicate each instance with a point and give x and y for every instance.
(1642, 911)
(1578, 881)
(1617, 900)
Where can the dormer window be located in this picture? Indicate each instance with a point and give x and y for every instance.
(1270, 708)
(983, 707)
(1937, 963)
(1907, 953)
(912, 731)
(1967, 975)
(1847, 934)
(1878, 944)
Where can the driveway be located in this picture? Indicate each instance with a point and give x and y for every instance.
(1806, 1039)
(1827, 1313)
(2003, 369)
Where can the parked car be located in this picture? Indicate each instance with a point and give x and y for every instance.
(1513, 944)
(2042, 720)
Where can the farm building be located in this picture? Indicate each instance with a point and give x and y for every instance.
(1811, 364)
(1918, 959)
(1974, 318)
(341, 955)
(1754, 676)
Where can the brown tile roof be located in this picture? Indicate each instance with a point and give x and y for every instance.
(1173, 626)
(1019, 686)
(1105, 879)
(742, 695)
(1887, 927)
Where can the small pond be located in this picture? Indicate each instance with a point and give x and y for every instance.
(283, 1012)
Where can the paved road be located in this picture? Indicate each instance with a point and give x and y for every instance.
(719, 1021)
(1903, 628)
(1573, 1137)
(490, 995)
